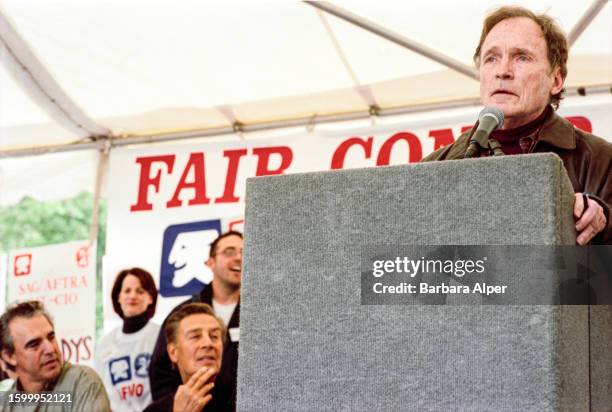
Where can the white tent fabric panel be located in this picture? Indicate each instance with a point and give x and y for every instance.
(143, 68)
(51, 177)
(23, 123)
(19, 109)
(31, 75)
(133, 57)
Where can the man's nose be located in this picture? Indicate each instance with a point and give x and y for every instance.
(504, 70)
(48, 346)
(205, 341)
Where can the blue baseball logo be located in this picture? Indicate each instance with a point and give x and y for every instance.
(141, 365)
(120, 370)
(184, 253)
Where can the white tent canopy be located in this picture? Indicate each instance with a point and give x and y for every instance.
(78, 73)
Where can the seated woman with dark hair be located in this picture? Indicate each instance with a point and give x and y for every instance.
(123, 355)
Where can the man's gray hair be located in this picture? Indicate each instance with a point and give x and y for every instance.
(197, 308)
(27, 309)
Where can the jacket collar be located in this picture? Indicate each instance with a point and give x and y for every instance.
(206, 296)
(559, 132)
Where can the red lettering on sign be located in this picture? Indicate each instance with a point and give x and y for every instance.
(263, 162)
(581, 122)
(76, 350)
(52, 283)
(133, 389)
(415, 153)
(337, 161)
(63, 299)
(236, 225)
(273, 160)
(233, 157)
(442, 137)
(31, 287)
(22, 265)
(195, 162)
(146, 180)
(82, 257)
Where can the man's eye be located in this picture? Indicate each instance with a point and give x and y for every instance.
(523, 57)
(489, 59)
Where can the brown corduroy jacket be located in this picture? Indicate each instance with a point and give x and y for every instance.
(587, 159)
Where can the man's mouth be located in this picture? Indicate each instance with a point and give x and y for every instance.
(50, 363)
(503, 92)
(207, 359)
(236, 269)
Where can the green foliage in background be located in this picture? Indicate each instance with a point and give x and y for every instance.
(32, 223)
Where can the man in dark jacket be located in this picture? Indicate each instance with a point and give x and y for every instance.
(223, 294)
(195, 338)
(521, 59)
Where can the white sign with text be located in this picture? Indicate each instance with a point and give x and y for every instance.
(166, 202)
(63, 277)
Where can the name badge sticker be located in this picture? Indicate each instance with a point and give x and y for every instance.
(234, 334)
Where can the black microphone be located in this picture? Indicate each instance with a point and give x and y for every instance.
(489, 119)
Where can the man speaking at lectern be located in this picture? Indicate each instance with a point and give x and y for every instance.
(522, 64)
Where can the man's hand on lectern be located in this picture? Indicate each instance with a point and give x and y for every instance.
(590, 221)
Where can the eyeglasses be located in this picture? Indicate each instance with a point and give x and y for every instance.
(230, 252)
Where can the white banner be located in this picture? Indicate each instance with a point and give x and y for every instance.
(167, 202)
(63, 277)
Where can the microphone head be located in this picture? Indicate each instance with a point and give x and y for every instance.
(492, 112)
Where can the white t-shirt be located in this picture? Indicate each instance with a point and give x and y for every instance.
(6, 384)
(122, 361)
(225, 312)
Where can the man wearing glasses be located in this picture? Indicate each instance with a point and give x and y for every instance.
(223, 294)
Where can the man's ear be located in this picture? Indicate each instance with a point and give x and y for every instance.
(171, 347)
(9, 358)
(558, 81)
(210, 262)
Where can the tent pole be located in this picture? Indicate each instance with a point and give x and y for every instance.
(395, 38)
(100, 173)
(365, 92)
(585, 20)
(300, 122)
(34, 79)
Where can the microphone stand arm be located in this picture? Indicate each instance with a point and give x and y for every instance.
(495, 147)
(478, 142)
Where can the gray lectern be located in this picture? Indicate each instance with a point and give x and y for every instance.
(308, 344)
